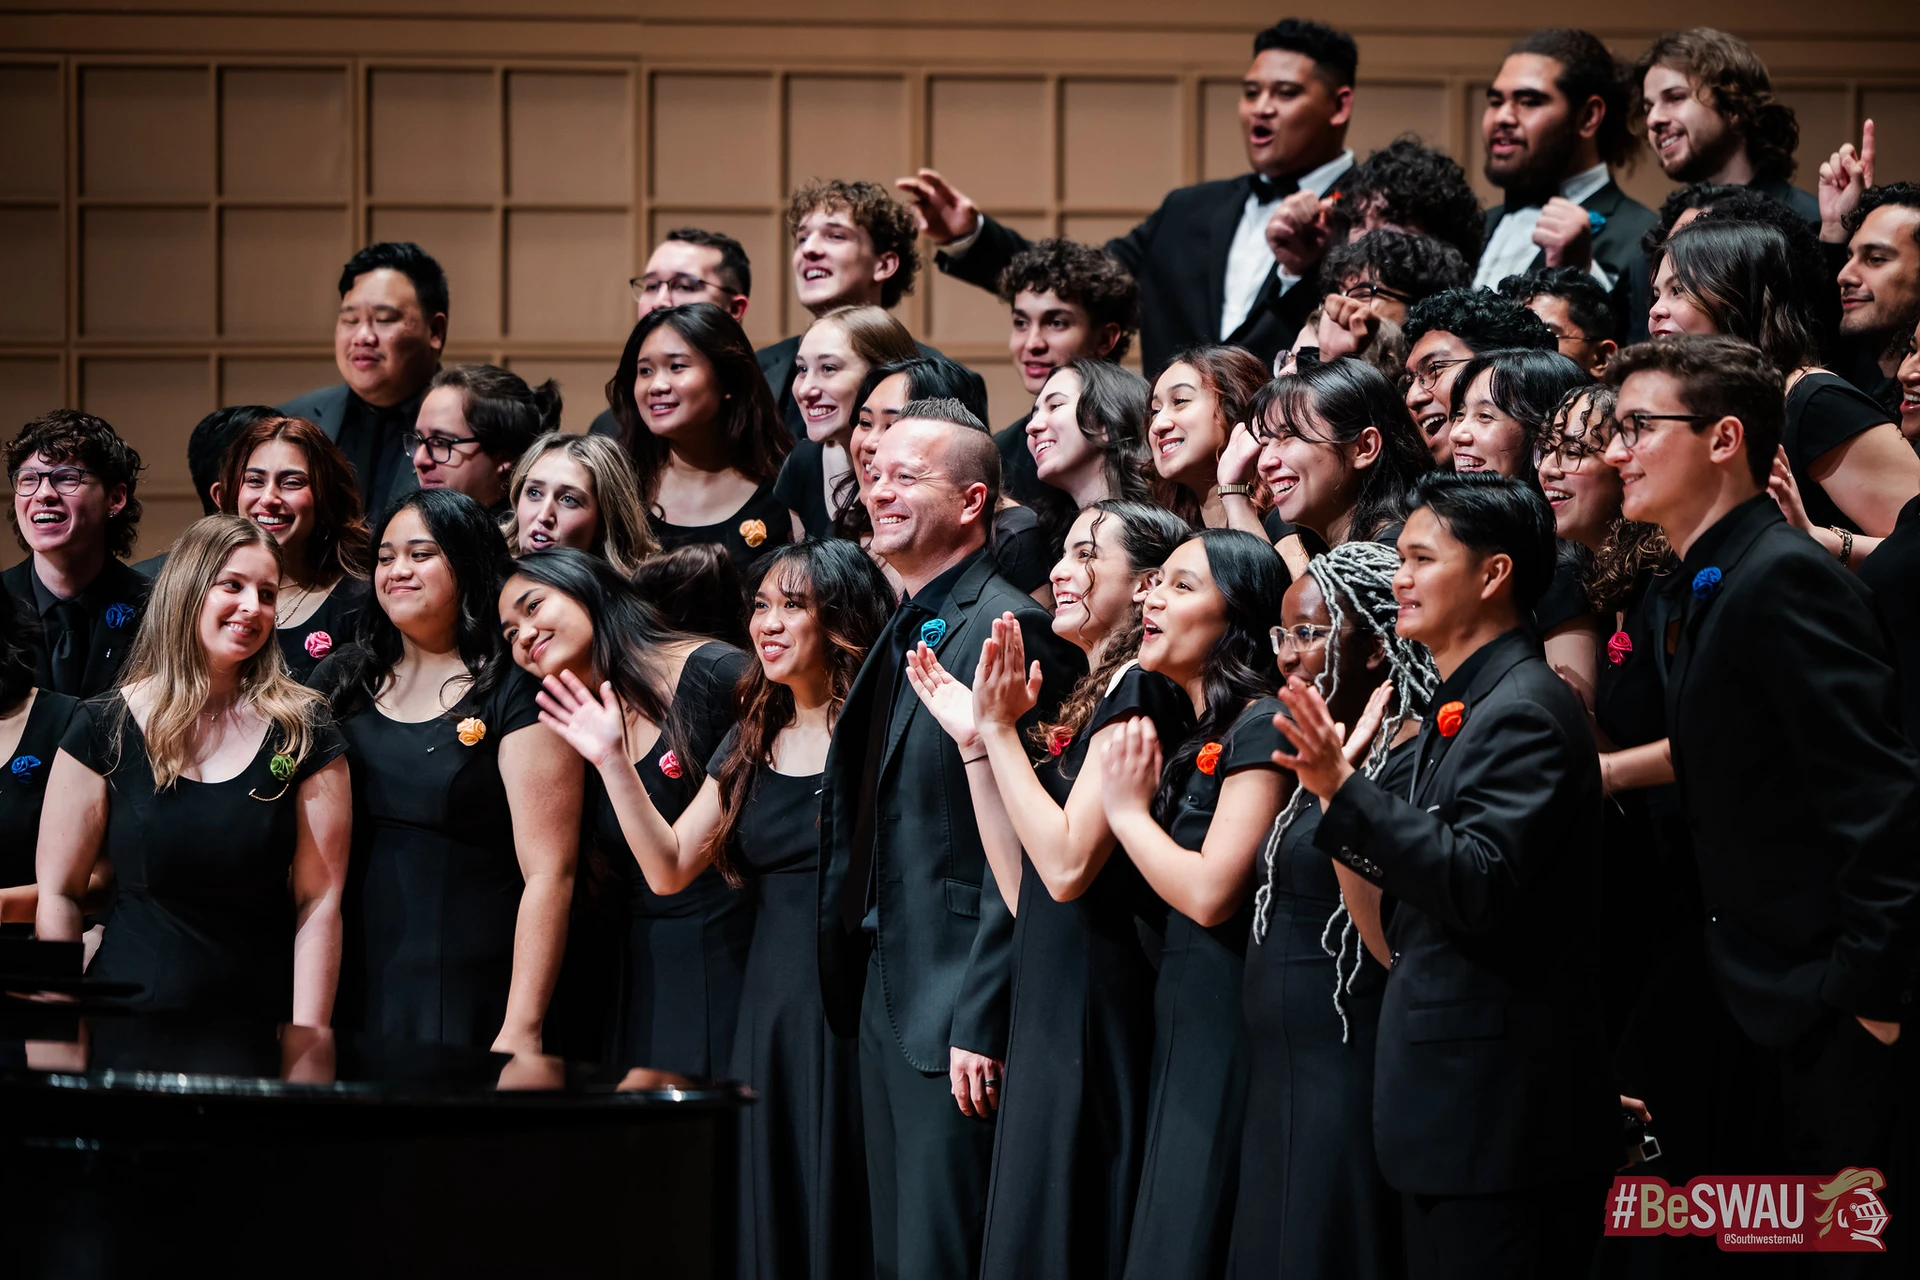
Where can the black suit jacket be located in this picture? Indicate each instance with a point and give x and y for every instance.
(327, 409)
(1616, 246)
(1179, 256)
(776, 362)
(1800, 787)
(945, 940)
(1491, 1068)
(111, 637)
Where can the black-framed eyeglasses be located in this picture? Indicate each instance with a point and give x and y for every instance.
(648, 288)
(1304, 636)
(1430, 375)
(65, 480)
(1629, 427)
(1367, 290)
(1568, 455)
(439, 448)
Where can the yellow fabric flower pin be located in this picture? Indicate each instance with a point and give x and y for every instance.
(471, 730)
(754, 531)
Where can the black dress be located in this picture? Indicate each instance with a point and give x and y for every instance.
(433, 890)
(203, 925)
(803, 1187)
(1066, 1161)
(1312, 1199)
(802, 488)
(1020, 550)
(1824, 411)
(23, 784)
(685, 954)
(1893, 571)
(762, 523)
(1565, 598)
(331, 627)
(1182, 1220)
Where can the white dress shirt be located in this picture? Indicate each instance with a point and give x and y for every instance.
(1512, 250)
(1250, 258)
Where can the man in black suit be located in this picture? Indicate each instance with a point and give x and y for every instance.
(1206, 269)
(1555, 120)
(1493, 1114)
(391, 330)
(1707, 110)
(907, 915)
(853, 246)
(1800, 787)
(74, 512)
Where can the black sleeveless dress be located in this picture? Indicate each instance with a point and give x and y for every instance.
(23, 783)
(1312, 1199)
(203, 925)
(1066, 1160)
(1182, 1221)
(685, 954)
(331, 627)
(762, 523)
(433, 891)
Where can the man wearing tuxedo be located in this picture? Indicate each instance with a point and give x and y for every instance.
(915, 943)
(1554, 123)
(387, 340)
(1493, 1113)
(1206, 269)
(1706, 108)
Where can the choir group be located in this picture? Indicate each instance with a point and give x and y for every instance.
(1309, 814)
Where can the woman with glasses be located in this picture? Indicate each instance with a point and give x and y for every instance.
(1067, 1160)
(473, 425)
(1312, 1199)
(835, 355)
(698, 421)
(287, 477)
(579, 491)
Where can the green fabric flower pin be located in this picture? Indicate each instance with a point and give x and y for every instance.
(282, 766)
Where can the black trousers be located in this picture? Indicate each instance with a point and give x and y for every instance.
(927, 1165)
(1544, 1233)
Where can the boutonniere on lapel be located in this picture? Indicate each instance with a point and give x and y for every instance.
(1706, 582)
(1209, 758)
(318, 644)
(932, 631)
(1449, 718)
(669, 765)
(471, 730)
(24, 767)
(753, 532)
(119, 615)
(1619, 645)
(281, 767)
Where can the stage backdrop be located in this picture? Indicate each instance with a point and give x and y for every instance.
(177, 193)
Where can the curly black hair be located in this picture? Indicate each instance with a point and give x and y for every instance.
(1587, 303)
(1416, 265)
(1900, 193)
(1480, 318)
(1695, 195)
(67, 435)
(1411, 185)
(1082, 274)
(884, 219)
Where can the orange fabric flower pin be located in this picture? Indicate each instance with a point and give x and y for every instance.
(1448, 718)
(471, 730)
(1209, 758)
(754, 531)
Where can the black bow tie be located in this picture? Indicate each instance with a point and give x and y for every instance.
(1267, 189)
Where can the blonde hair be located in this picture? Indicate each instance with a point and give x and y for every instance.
(874, 334)
(168, 652)
(621, 535)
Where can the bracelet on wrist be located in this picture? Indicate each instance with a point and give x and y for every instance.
(1846, 543)
(1233, 490)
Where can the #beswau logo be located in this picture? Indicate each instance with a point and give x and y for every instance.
(1757, 1214)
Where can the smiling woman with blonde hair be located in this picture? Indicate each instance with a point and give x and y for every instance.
(211, 782)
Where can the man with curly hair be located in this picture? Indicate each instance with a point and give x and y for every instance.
(1572, 304)
(1408, 186)
(1070, 301)
(853, 246)
(1706, 108)
(1879, 285)
(1443, 333)
(75, 514)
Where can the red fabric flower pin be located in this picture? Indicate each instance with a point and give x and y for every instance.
(1209, 758)
(670, 765)
(1058, 741)
(319, 644)
(1619, 645)
(1448, 718)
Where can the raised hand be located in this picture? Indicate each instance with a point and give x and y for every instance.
(1241, 457)
(1843, 178)
(1360, 741)
(1564, 233)
(1320, 759)
(1347, 326)
(942, 213)
(1004, 688)
(595, 727)
(1297, 232)
(1785, 492)
(1131, 771)
(949, 702)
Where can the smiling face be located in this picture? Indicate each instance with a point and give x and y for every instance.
(785, 628)
(1673, 309)
(1528, 126)
(546, 630)
(1184, 429)
(1485, 437)
(1049, 333)
(1663, 475)
(1183, 617)
(826, 382)
(881, 411)
(413, 582)
(236, 617)
(385, 345)
(1060, 449)
(53, 522)
(1290, 118)
(1440, 582)
(1435, 359)
(675, 385)
(1313, 479)
(1582, 489)
(1093, 586)
(1909, 376)
(1690, 138)
(1880, 285)
(467, 470)
(921, 517)
(276, 493)
(834, 263)
(557, 507)
(1360, 656)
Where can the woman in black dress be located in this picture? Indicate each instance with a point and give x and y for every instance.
(1087, 435)
(685, 945)
(32, 722)
(1066, 1161)
(1312, 1199)
(817, 607)
(579, 491)
(706, 441)
(466, 809)
(1194, 828)
(836, 354)
(212, 783)
(287, 477)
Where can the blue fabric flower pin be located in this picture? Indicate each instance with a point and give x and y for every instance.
(932, 630)
(1705, 583)
(23, 767)
(119, 615)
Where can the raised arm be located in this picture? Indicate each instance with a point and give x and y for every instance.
(543, 785)
(73, 823)
(323, 835)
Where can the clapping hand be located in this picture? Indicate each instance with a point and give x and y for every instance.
(1325, 756)
(942, 213)
(595, 727)
(1844, 177)
(949, 702)
(1131, 771)
(1004, 686)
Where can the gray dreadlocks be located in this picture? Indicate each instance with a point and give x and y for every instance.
(1356, 578)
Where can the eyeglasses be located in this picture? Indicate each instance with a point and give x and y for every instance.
(1367, 290)
(65, 480)
(1629, 427)
(1430, 376)
(646, 288)
(439, 448)
(1568, 455)
(1304, 636)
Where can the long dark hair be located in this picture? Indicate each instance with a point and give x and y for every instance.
(852, 600)
(928, 378)
(19, 642)
(749, 425)
(1235, 376)
(1528, 386)
(1112, 414)
(476, 552)
(1743, 275)
(1252, 580)
(340, 544)
(1349, 396)
(696, 589)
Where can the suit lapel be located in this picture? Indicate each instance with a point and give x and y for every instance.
(1221, 225)
(959, 605)
(1694, 610)
(1513, 649)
